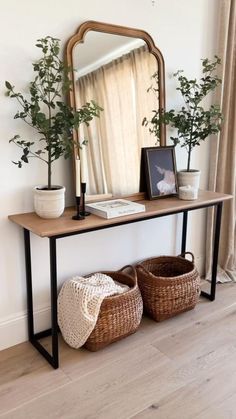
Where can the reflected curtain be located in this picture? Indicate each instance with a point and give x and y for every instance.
(223, 154)
(116, 138)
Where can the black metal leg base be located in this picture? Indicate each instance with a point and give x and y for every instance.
(208, 296)
(211, 296)
(50, 358)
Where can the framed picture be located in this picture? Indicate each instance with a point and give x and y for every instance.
(160, 171)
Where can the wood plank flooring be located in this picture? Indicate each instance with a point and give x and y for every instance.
(182, 368)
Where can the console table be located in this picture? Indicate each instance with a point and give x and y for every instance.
(64, 226)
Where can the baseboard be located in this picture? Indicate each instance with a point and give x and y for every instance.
(13, 329)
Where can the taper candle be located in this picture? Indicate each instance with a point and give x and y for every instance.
(83, 164)
(77, 176)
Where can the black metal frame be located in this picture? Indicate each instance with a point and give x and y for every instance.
(34, 338)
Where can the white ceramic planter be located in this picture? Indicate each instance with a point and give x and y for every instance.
(191, 178)
(49, 203)
(188, 193)
(188, 183)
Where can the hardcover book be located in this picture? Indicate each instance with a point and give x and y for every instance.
(114, 208)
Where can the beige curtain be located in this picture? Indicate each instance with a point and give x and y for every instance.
(223, 155)
(116, 138)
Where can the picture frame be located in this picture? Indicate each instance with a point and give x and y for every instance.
(160, 171)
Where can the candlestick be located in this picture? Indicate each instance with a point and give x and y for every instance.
(77, 176)
(83, 190)
(78, 216)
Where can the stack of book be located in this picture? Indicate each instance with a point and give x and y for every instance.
(114, 208)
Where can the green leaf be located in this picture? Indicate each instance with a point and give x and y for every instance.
(24, 159)
(8, 85)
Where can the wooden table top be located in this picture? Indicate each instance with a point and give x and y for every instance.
(65, 225)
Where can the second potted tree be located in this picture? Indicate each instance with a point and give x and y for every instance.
(193, 122)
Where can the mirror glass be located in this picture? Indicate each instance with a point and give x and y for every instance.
(115, 71)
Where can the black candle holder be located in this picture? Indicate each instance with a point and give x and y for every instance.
(78, 216)
(83, 191)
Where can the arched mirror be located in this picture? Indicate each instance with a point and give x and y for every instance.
(113, 65)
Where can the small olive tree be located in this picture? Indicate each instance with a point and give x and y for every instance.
(46, 111)
(193, 123)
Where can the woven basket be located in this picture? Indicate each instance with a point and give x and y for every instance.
(169, 285)
(119, 315)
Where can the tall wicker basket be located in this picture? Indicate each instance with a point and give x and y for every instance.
(169, 285)
(119, 315)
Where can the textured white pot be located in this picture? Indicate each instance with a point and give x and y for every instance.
(191, 178)
(49, 203)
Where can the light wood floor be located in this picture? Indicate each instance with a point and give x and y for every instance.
(182, 368)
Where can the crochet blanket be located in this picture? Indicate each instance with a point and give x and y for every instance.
(79, 303)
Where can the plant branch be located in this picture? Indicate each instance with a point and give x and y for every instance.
(33, 154)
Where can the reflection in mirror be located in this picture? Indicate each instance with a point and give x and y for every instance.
(115, 71)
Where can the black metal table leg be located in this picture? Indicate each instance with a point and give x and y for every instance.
(29, 285)
(211, 296)
(53, 271)
(184, 231)
(34, 337)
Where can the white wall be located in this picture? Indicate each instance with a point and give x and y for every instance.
(185, 31)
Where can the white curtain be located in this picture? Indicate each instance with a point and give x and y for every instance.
(223, 153)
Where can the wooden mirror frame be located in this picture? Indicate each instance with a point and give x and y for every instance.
(108, 28)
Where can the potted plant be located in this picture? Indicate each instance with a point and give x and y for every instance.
(45, 110)
(194, 122)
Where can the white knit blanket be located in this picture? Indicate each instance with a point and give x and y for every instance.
(79, 303)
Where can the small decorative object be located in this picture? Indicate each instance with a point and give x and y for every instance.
(160, 171)
(169, 285)
(188, 193)
(78, 216)
(46, 112)
(83, 192)
(83, 179)
(115, 208)
(193, 123)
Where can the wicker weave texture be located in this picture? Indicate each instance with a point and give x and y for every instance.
(120, 315)
(169, 285)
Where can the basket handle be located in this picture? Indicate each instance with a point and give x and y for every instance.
(141, 267)
(182, 255)
(134, 273)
